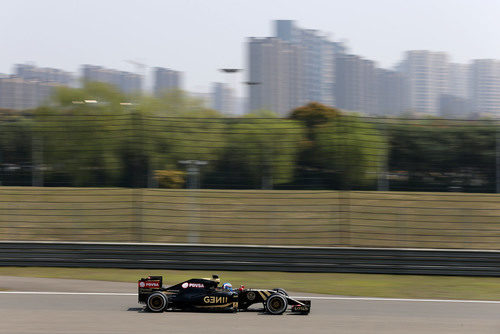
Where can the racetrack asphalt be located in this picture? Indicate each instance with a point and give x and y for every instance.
(116, 310)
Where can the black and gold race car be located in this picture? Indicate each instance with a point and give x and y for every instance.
(205, 294)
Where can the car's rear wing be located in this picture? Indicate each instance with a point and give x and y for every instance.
(148, 285)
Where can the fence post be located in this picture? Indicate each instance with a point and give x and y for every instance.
(344, 223)
(137, 196)
(193, 171)
(137, 205)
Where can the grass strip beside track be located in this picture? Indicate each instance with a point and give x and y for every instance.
(367, 285)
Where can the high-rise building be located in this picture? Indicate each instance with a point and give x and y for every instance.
(355, 87)
(241, 105)
(31, 86)
(19, 94)
(459, 80)
(452, 106)
(391, 92)
(275, 75)
(301, 65)
(318, 60)
(166, 79)
(485, 86)
(222, 98)
(427, 74)
(11, 93)
(44, 74)
(127, 82)
(292, 68)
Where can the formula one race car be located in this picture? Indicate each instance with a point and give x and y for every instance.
(205, 294)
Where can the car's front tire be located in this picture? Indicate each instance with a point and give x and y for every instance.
(157, 302)
(282, 291)
(276, 304)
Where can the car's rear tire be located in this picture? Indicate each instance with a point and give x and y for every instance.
(282, 291)
(157, 302)
(276, 304)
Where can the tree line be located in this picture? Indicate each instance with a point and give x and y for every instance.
(96, 136)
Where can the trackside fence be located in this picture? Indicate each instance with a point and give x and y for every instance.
(252, 217)
(123, 173)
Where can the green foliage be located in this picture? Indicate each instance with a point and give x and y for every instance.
(340, 150)
(261, 113)
(121, 139)
(15, 147)
(195, 139)
(314, 114)
(436, 154)
(112, 143)
(80, 143)
(172, 179)
(87, 143)
(178, 127)
(352, 148)
(104, 94)
(263, 149)
(176, 103)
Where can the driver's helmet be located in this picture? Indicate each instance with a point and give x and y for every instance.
(227, 286)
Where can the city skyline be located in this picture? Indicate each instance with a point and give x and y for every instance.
(299, 65)
(98, 34)
(423, 82)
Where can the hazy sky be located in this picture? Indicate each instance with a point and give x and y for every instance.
(198, 37)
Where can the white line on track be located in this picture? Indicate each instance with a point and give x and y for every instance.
(68, 293)
(296, 297)
(403, 299)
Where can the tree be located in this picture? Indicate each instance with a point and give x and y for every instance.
(121, 140)
(260, 152)
(340, 151)
(353, 149)
(310, 170)
(15, 149)
(170, 178)
(439, 155)
(314, 114)
(79, 140)
(179, 127)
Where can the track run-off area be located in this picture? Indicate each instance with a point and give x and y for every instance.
(105, 307)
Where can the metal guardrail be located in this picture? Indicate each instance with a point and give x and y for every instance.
(260, 258)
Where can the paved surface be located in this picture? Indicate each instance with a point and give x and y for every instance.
(63, 285)
(67, 313)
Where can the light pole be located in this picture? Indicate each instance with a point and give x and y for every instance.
(193, 183)
(137, 197)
